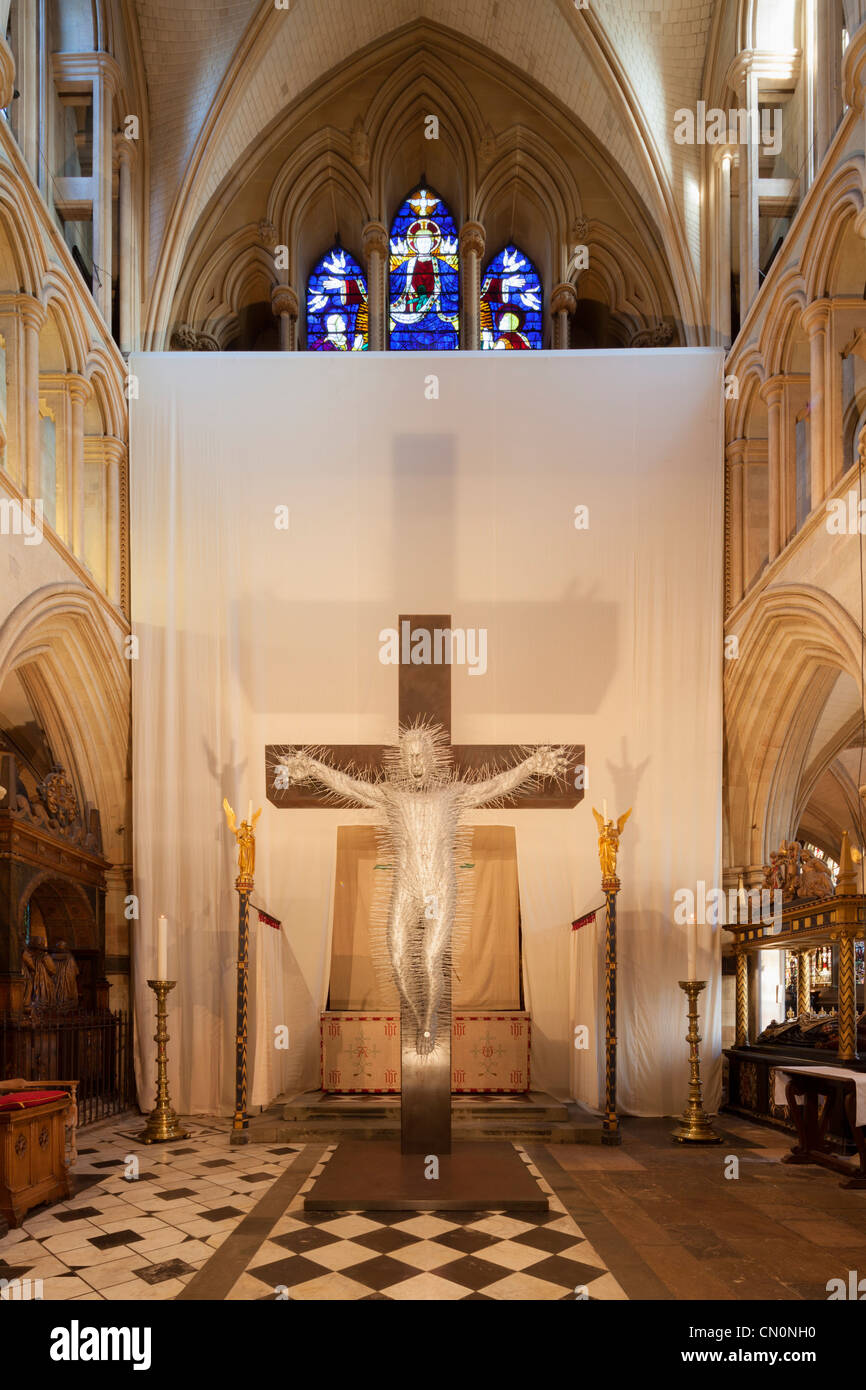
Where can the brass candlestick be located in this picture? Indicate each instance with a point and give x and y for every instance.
(162, 1122)
(694, 1126)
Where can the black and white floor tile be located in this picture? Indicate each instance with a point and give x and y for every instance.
(427, 1256)
(124, 1236)
(142, 1235)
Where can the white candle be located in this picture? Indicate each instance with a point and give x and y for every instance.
(162, 948)
(693, 950)
(250, 813)
(604, 811)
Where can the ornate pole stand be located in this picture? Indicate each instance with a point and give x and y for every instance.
(610, 1126)
(162, 1122)
(694, 1126)
(608, 845)
(244, 883)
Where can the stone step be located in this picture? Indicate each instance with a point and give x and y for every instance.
(271, 1129)
(302, 1109)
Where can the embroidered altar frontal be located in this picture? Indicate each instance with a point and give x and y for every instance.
(361, 1052)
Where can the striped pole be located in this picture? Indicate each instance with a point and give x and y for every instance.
(240, 1124)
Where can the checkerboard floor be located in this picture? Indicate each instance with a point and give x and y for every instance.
(440, 1256)
(141, 1229)
(144, 1232)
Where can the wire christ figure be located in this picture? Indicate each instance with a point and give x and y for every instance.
(421, 802)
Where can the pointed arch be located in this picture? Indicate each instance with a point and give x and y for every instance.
(511, 303)
(338, 316)
(424, 281)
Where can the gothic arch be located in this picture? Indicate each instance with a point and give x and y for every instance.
(400, 151)
(108, 397)
(841, 201)
(781, 329)
(65, 644)
(22, 258)
(794, 644)
(64, 308)
(627, 143)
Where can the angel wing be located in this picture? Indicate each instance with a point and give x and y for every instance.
(256, 815)
(599, 820)
(230, 815)
(623, 818)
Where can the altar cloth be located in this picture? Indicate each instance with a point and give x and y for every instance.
(489, 1052)
(837, 1074)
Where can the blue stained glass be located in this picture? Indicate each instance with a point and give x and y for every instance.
(511, 303)
(337, 310)
(424, 281)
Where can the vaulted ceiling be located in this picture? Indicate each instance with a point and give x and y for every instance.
(218, 76)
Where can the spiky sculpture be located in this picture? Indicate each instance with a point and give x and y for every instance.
(421, 803)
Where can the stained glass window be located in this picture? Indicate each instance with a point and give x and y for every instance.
(511, 303)
(337, 311)
(424, 280)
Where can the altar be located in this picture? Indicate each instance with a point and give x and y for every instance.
(489, 1052)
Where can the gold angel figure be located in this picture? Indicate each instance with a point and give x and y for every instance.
(608, 841)
(246, 840)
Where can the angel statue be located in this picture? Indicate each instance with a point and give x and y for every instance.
(245, 838)
(608, 842)
(421, 802)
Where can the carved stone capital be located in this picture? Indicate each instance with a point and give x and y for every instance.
(563, 299)
(284, 300)
(374, 240)
(472, 239)
(267, 233)
(187, 339)
(659, 336)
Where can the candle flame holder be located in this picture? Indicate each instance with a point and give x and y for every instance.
(694, 1126)
(162, 1122)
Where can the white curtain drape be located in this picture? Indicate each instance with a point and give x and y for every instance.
(250, 633)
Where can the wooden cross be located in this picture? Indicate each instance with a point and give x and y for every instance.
(424, 691)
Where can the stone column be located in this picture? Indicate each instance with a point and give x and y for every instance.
(816, 321)
(471, 252)
(750, 246)
(105, 81)
(79, 392)
(772, 392)
(7, 59)
(854, 86)
(563, 303)
(125, 153)
(828, 68)
(25, 108)
(723, 249)
(284, 303)
(21, 318)
(741, 1037)
(376, 251)
(736, 520)
(114, 453)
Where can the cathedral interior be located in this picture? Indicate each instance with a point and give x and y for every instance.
(192, 191)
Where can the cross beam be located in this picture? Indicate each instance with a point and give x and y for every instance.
(424, 692)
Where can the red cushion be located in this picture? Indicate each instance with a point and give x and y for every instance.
(25, 1100)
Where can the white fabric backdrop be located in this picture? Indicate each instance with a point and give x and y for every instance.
(610, 636)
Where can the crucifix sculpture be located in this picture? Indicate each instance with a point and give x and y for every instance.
(421, 789)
